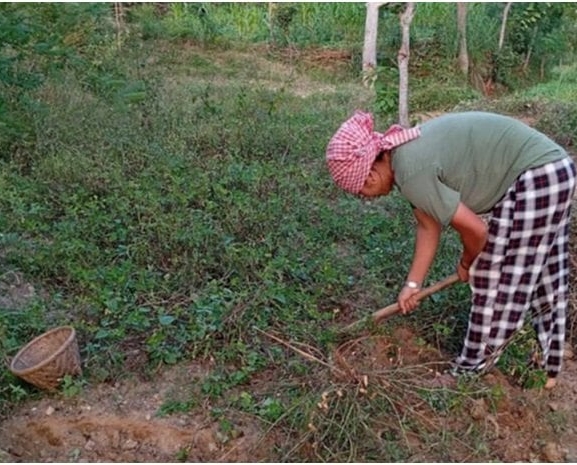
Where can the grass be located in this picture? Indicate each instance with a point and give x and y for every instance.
(161, 220)
(171, 210)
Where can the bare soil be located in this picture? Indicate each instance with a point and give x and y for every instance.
(121, 422)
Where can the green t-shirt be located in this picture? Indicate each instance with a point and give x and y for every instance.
(470, 157)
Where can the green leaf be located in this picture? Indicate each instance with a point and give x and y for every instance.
(165, 320)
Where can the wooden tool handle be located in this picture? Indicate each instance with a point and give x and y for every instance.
(386, 312)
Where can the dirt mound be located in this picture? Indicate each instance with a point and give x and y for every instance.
(65, 436)
(121, 423)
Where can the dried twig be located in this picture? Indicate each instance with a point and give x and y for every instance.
(300, 352)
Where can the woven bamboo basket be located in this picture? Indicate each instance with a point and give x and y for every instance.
(45, 360)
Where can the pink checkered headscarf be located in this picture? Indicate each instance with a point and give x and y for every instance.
(354, 147)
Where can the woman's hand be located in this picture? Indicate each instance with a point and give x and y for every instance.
(407, 299)
(473, 232)
(463, 271)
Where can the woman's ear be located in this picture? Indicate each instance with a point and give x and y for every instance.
(371, 178)
(370, 182)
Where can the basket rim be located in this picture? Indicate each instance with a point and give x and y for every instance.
(36, 367)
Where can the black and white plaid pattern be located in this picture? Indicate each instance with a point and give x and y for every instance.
(523, 266)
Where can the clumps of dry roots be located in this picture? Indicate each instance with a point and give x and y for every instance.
(379, 358)
(378, 392)
(380, 369)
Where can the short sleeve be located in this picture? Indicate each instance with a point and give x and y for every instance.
(425, 191)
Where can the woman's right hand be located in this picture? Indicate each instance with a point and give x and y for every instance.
(407, 299)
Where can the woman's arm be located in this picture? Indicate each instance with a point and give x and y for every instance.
(473, 233)
(426, 243)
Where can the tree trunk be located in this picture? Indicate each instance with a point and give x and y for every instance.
(271, 8)
(370, 43)
(463, 59)
(504, 24)
(530, 51)
(403, 60)
(119, 23)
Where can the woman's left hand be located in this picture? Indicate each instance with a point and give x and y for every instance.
(463, 272)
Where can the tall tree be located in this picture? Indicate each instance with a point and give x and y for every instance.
(504, 25)
(370, 43)
(463, 58)
(406, 17)
(119, 22)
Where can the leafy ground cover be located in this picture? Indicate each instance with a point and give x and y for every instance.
(178, 213)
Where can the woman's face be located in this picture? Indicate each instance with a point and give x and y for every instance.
(380, 180)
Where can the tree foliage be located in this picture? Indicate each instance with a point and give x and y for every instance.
(43, 39)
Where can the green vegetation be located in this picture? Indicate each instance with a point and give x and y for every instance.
(164, 191)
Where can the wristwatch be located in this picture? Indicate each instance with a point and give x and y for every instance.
(412, 285)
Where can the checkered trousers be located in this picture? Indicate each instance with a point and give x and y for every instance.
(524, 266)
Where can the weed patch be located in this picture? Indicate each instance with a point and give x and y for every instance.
(172, 204)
